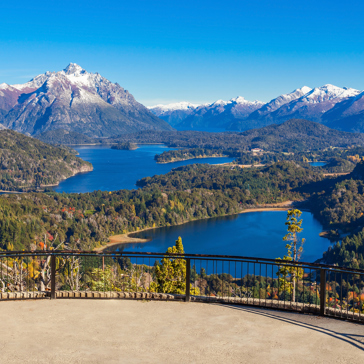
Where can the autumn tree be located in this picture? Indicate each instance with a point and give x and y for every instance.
(170, 275)
(294, 248)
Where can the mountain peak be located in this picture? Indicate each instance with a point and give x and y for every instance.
(329, 92)
(242, 100)
(304, 89)
(73, 68)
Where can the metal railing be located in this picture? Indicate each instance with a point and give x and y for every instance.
(303, 287)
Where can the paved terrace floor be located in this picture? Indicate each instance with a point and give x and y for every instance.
(120, 331)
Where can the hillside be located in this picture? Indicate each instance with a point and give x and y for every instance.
(75, 100)
(27, 163)
(61, 136)
(298, 134)
(292, 136)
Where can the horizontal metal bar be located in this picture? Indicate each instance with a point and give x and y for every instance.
(276, 262)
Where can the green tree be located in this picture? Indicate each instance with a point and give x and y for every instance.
(289, 275)
(170, 275)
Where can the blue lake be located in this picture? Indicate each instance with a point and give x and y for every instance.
(253, 234)
(250, 234)
(317, 164)
(120, 169)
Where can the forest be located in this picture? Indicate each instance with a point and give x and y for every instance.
(292, 136)
(27, 163)
(338, 160)
(125, 146)
(85, 221)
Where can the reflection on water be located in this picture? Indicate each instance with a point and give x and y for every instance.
(255, 234)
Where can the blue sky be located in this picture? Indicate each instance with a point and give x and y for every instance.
(198, 51)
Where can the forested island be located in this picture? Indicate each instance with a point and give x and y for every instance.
(125, 146)
(300, 141)
(186, 154)
(29, 164)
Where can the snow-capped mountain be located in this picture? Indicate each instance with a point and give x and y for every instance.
(304, 103)
(347, 115)
(174, 113)
(314, 104)
(8, 98)
(327, 104)
(219, 113)
(74, 99)
(280, 101)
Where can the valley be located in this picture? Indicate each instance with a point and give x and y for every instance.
(144, 177)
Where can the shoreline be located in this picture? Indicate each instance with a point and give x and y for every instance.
(49, 185)
(202, 157)
(127, 239)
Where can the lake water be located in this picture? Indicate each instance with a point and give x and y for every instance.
(256, 234)
(120, 169)
(317, 164)
(253, 234)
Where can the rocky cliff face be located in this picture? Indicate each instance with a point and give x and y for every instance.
(75, 100)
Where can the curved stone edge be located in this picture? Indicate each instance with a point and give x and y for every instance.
(274, 304)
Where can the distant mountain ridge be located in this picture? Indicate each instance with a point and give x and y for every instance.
(75, 100)
(340, 108)
(185, 115)
(174, 113)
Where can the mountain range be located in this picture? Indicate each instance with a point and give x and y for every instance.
(75, 100)
(336, 107)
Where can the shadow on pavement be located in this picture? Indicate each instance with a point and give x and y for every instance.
(348, 332)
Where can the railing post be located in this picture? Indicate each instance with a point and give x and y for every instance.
(53, 277)
(322, 291)
(188, 277)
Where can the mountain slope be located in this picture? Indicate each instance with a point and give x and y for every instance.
(299, 134)
(8, 98)
(76, 100)
(304, 103)
(174, 113)
(65, 137)
(27, 163)
(219, 113)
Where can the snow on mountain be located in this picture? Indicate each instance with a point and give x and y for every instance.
(280, 101)
(34, 83)
(183, 105)
(174, 113)
(219, 113)
(74, 99)
(328, 92)
(314, 104)
(8, 98)
(241, 100)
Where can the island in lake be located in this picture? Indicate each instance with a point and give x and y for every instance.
(125, 146)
